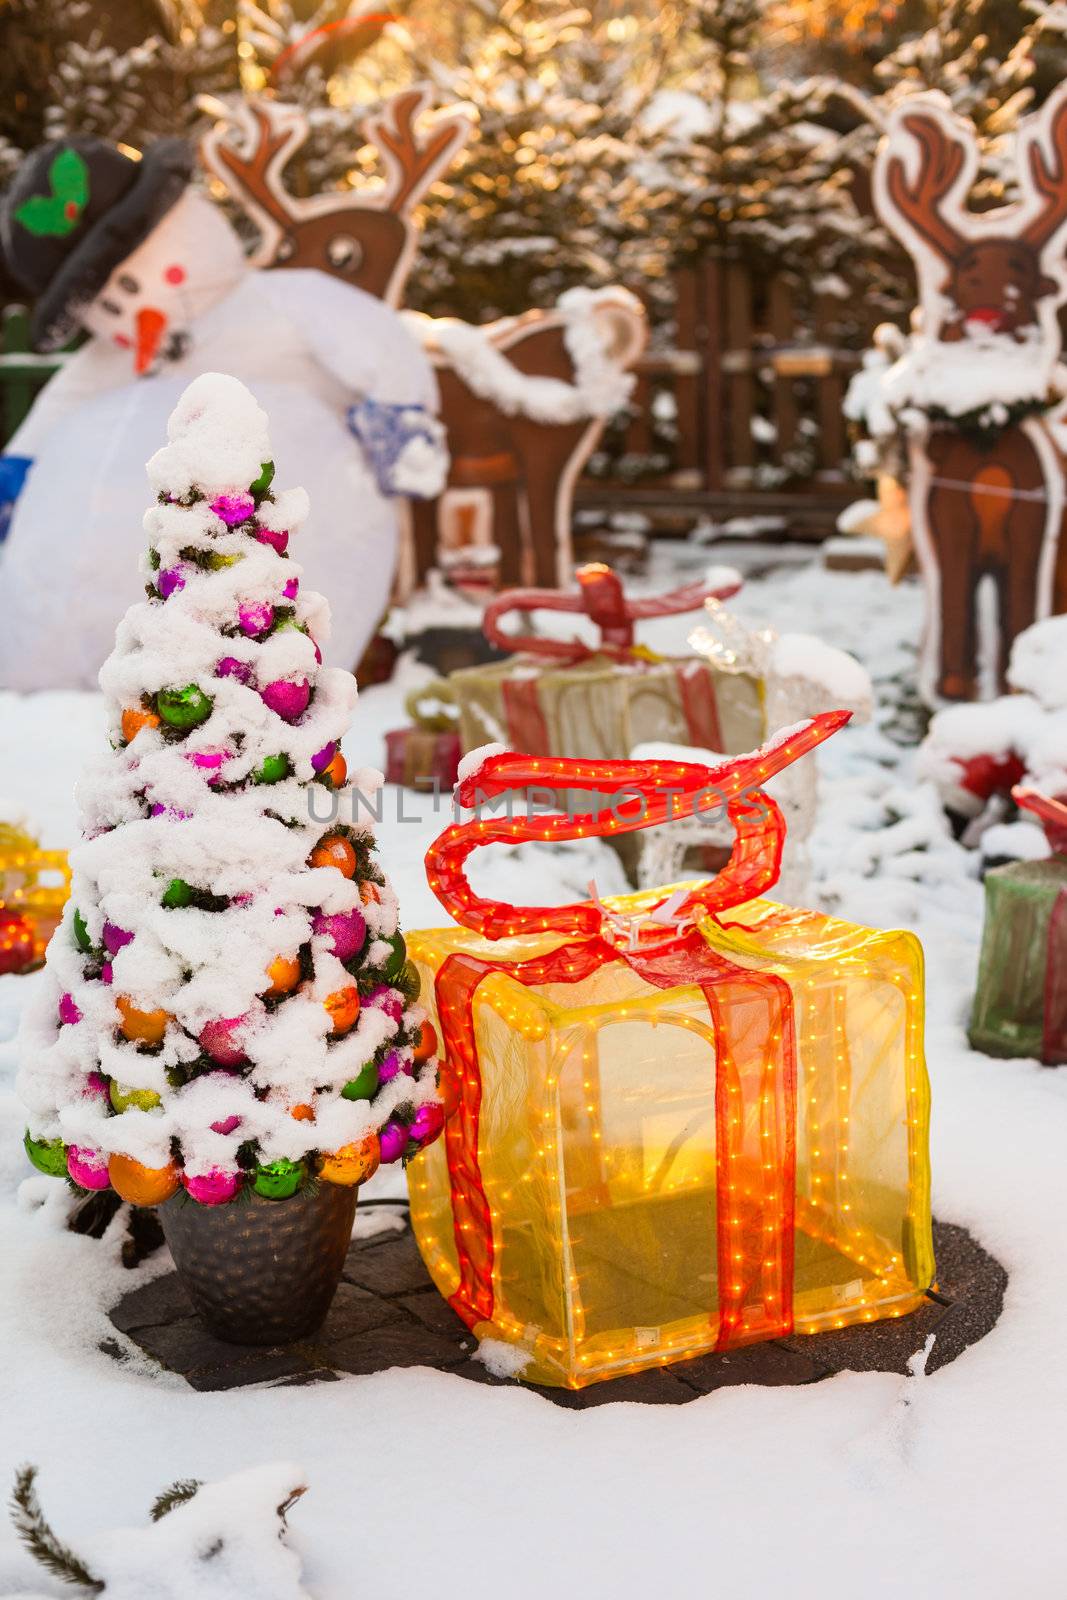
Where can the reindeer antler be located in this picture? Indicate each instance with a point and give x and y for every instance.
(412, 163)
(1049, 173)
(941, 160)
(271, 133)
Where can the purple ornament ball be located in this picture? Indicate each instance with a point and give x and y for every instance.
(288, 700)
(233, 508)
(322, 758)
(346, 931)
(428, 1122)
(292, 588)
(394, 1141)
(382, 998)
(115, 937)
(230, 667)
(170, 581)
(255, 617)
(391, 1066)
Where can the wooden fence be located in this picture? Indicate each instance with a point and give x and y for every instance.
(742, 414)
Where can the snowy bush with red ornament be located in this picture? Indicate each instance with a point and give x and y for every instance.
(227, 1002)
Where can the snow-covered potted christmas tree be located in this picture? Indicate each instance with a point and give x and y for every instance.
(228, 1026)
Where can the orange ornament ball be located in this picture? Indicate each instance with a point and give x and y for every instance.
(337, 771)
(303, 1113)
(134, 718)
(284, 975)
(142, 1027)
(335, 851)
(142, 1186)
(425, 1044)
(369, 892)
(343, 1006)
(354, 1163)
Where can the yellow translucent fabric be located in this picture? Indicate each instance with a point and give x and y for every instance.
(602, 1155)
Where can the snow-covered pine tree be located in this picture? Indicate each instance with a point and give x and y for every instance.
(557, 185)
(227, 1003)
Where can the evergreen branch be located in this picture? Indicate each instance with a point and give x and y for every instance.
(36, 1534)
(177, 1495)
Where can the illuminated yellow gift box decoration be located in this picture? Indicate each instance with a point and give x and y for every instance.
(34, 885)
(682, 1120)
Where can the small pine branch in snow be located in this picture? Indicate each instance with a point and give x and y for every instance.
(177, 1495)
(37, 1535)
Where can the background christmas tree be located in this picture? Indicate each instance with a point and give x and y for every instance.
(228, 1002)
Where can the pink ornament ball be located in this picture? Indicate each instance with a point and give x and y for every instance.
(208, 760)
(233, 508)
(88, 1168)
(170, 580)
(219, 1041)
(322, 758)
(278, 539)
(288, 700)
(391, 1066)
(391, 1001)
(115, 938)
(255, 617)
(346, 931)
(107, 973)
(96, 1085)
(429, 1120)
(226, 1125)
(292, 588)
(230, 667)
(214, 1188)
(394, 1141)
(68, 1011)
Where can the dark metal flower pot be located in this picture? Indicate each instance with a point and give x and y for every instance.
(262, 1271)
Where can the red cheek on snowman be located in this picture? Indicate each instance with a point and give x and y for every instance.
(122, 341)
(175, 275)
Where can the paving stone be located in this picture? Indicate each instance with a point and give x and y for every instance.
(354, 1310)
(435, 1312)
(399, 1344)
(387, 1314)
(163, 1300)
(768, 1364)
(388, 1264)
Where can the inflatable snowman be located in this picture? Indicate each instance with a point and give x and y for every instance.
(129, 251)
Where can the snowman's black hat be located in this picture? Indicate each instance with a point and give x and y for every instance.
(73, 212)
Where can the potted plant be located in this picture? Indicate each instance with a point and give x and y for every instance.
(228, 1028)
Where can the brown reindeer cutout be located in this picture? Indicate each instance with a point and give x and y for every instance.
(985, 503)
(515, 459)
(365, 238)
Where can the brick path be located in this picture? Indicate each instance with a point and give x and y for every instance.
(387, 1314)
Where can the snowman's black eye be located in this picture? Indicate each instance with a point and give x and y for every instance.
(127, 284)
(111, 308)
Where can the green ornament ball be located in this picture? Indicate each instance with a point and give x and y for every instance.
(277, 1180)
(273, 770)
(123, 1099)
(184, 708)
(396, 962)
(409, 983)
(215, 561)
(81, 934)
(177, 893)
(364, 1086)
(263, 482)
(48, 1155)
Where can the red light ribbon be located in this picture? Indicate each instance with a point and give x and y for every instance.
(600, 597)
(755, 1059)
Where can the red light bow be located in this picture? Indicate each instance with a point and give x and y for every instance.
(642, 794)
(1050, 811)
(600, 596)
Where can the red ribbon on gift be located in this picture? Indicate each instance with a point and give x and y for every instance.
(600, 597)
(756, 1064)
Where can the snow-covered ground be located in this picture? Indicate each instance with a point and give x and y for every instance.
(947, 1485)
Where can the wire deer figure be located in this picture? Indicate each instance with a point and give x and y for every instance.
(522, 467)
(983, 503)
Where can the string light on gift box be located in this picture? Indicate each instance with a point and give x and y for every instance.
(34, 886)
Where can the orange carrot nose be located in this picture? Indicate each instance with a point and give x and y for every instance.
(151, 326)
